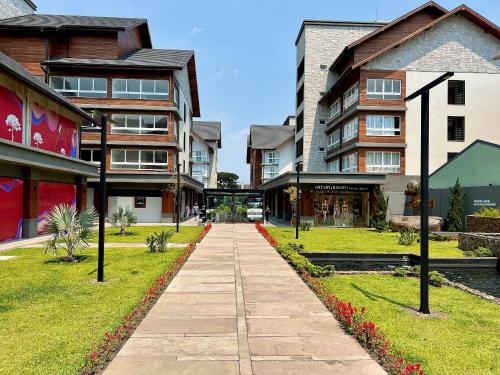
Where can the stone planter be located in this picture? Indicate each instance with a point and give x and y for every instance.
(481, 224)
(397, 222)
(471, 241)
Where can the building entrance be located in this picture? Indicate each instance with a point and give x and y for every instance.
(234, 205)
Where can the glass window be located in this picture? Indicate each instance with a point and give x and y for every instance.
(350, 163)
(269, 171)
(139, 124)
(86, 87)
(382, 161)
(334, 139)
(456, 128)
(383, 89)
(351, 96)
(334, 110)
(92, 155)
(200, 156)
(350, 130)
(381, 125)
(138, 159)
(334, 165)
(271, 157)
(140, 89)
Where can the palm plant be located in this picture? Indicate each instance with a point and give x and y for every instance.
(70, 230)
(122, 217)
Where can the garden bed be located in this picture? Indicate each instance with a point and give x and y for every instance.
(138, 234)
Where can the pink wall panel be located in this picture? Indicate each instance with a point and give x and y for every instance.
(51, 194)
(11, 208)
(11, 115)
(53, 132)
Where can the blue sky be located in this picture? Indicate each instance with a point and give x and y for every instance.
(245, 51)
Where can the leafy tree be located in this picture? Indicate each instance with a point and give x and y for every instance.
(227, 180)
(380, 217)
(123, 217)
(456, 209)
(70, 230)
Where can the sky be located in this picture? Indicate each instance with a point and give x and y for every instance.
(244, 50)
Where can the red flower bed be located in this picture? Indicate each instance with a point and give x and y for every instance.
(352, 320)
(113, 341)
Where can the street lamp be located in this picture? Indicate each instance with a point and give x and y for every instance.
(424, 188)
(298, 166)
(178, 195)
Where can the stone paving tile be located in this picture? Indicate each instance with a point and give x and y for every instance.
(236, 307)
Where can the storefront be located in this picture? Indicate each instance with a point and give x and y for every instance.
(327, 199)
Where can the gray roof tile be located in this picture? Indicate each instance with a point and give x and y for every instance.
(269, 137)
(208, 130)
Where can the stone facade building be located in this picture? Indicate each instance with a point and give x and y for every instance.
(16, 8)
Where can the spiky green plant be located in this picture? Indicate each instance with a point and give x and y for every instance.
(71, 231)
(123, 217)
(456, 209)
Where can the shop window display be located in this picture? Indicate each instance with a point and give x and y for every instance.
(340, 209)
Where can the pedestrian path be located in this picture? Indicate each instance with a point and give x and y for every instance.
(236, 307)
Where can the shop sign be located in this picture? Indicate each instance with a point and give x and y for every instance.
(140, 202)
(340, 187)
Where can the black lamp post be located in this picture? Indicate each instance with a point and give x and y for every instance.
(298, 166)
(178, 196)
(424, 188)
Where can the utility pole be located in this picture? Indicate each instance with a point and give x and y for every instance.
(102, 198)
(424, 188)
(178, 196)
(297, 209)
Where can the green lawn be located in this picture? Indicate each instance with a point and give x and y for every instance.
(464, 341)
(51, 312)
(360, 240)
(138, 234)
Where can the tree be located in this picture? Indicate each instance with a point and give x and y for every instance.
(455, 211)
(292, 197)
(70, 230)
(122, 217)
(227, 180)
(380, 217)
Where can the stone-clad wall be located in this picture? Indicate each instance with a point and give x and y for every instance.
(480, 224)
(14, 8)
(471, 241)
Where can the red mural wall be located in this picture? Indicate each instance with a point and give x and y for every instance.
(51, 194)
(11, 115)
(11, 208)
(53, 132)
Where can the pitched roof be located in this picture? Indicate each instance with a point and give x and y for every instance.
(58, 22)
(208, 131)
(463, 10)
(140, 58)
(269, 137)
(18, 71)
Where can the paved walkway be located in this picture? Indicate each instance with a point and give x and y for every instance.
(236, 307)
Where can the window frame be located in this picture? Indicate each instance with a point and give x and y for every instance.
(273, 160)
(354, 167)
(462, 85)
(382, 132)
(139, 163)
(270, 175)
(455, 132)
(381, 95)
(350, 96)
(334, 139)
(78, 92)
(120, 94)
(337, 103)
(92, 150)
(383, 167)
(333, 162)
(199, 156)
(354, 124)
(141, 130)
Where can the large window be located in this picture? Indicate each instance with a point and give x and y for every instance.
(84, 87)
(271, 157)
(140, 88)
(350, 163)
(334, 110)
(299, 148)
(350, 130)
(200, 156)
(383, 125)
(199, 170)
(138, 159)
(334, 165)
(139, 124)
(456, 92)
(269, 171)
(456, 128)
(334, 139)
(351, 96)
(381, 161)
(383, 89)
(91, 154)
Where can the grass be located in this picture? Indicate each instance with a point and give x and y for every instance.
(52, 314)
(138, 234)
(360, 240)
(464, 341)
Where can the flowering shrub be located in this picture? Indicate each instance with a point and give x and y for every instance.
(352, 320)
(113, 341)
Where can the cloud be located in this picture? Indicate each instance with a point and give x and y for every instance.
(196, 30)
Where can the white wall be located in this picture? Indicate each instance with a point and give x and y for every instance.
(481, 112)
(182, 78)
(150, 214)
(287, 156)
(90, 197)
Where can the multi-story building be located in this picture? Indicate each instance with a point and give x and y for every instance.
(207, 140)
(149, 95)
(39, 148)
(270, 151)
(355, 131)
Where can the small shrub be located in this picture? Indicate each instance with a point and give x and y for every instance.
(123, 217)
(439, 237)
(400, 272)
(305, 226)
(414, 271)
(436, 279)
(407, 236)
(479, 252)
(158, 242)
(489, 212)
(299, 248)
